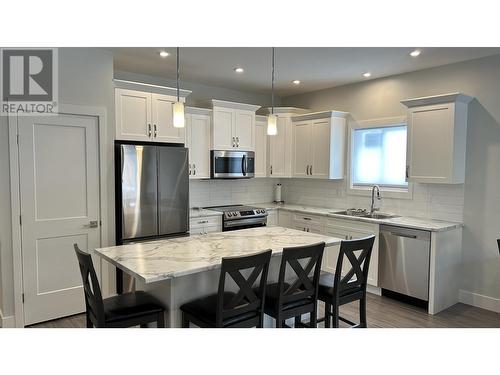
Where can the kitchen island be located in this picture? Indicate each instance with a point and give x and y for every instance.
(179, 270)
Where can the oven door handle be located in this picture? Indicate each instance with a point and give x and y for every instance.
(241, 222)
(244, 165)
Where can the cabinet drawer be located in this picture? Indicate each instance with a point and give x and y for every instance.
(198, 222)
(308, 220)
(351, 224)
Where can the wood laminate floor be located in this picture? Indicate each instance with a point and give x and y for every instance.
(382, 312)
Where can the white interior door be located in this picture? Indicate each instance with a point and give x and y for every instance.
(59, 189)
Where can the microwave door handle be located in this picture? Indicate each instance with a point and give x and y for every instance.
(244, 165)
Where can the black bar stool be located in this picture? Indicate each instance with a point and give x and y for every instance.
(284, 300)
(122, 311)
(351, 287)
(242, 309)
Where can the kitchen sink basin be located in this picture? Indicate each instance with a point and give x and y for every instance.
(363, 213)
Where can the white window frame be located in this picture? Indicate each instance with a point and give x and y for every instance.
(389, 192)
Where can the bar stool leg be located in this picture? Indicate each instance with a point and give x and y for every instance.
(335, 316)
(362, 312)
(327, 314)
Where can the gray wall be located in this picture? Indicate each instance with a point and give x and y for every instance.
(202, 95)
(85, 78)
(479, 78)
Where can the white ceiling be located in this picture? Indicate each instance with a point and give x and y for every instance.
(316, 68)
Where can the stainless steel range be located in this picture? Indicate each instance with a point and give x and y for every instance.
(241, 217)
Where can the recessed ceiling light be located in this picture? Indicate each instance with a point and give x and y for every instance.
(164, 53)
(296, 82)
(367, 74)
(415, 53)
(238, 70)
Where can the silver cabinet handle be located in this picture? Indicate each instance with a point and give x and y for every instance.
(234, 144)
(156, 133)
(194, 169)
(306, 218)
(310, 170)
(203, 222)
(307, 170)
(149, 130)
(237, 142)
(92, 224)
(271, 169)
(407, 172)
(190, 169)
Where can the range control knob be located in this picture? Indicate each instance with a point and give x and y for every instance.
(229, 214)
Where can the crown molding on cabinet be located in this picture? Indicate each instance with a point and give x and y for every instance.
(198, 111)
(147, 87)
(260, 118)
(287, 110)
(234, 105)
(437, 99)
(317, 115)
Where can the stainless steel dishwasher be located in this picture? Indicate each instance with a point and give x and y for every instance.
(404, 261)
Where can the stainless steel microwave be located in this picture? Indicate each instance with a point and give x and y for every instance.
(232, 164)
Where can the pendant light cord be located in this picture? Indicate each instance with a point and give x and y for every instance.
(177, 73)
(272, 83)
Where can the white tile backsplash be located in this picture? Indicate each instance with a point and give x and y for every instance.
(442, 202)
(205, 193)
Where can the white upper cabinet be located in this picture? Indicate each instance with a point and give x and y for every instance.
(233, 126)
(163, 126)
(437, 132)
(133, 115)
(261, 146)
(146, 116)
(318, 145)
(280, 145)
(198, 123)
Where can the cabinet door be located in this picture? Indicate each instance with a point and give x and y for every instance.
(301, 149)
(373, 269)
(320, 149)
(199, 146)
(163, 125)
(133, 115)
(223, 127)
(430, 143)
(272, 219)
(244, 130)
(277, 149)
(332, 253)
(284, 219)
(260, 149)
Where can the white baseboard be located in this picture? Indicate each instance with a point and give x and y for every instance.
(374, 290)
(7, 321)
(479, 300)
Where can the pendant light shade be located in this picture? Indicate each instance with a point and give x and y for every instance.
(179, 119)
(272, 119)
(272, 124)
(178, 107)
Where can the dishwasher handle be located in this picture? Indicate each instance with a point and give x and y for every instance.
(404, 235)
(413, 234)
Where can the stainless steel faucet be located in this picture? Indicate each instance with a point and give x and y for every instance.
(372, 208)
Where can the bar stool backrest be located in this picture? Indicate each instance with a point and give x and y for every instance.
(246, 299)
(305, 262)
(93, 296)
(358, 253)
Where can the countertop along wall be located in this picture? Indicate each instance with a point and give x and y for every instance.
(481, 210)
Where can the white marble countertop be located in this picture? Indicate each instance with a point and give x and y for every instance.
(401, 221)
(164, 259)
(202, 212)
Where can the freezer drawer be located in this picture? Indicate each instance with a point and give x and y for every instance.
(404, 261)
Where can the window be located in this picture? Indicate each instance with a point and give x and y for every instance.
(379, 156)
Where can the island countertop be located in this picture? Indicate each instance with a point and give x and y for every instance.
(169, 258)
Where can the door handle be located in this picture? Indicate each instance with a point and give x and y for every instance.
(92, 224)
(156, 133)
(149, 130)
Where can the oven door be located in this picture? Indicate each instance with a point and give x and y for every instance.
(244, 223)
(232, 164)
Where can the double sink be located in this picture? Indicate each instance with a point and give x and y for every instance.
(365, 214)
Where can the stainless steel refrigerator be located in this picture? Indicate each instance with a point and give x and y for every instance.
(152, 191)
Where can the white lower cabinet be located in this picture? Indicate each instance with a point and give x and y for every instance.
(204, 225)
(272, 218)
(284, 219)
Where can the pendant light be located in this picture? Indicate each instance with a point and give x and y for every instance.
(272, 119)
(178, 107)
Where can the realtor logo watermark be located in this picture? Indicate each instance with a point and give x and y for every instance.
(29, 81)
